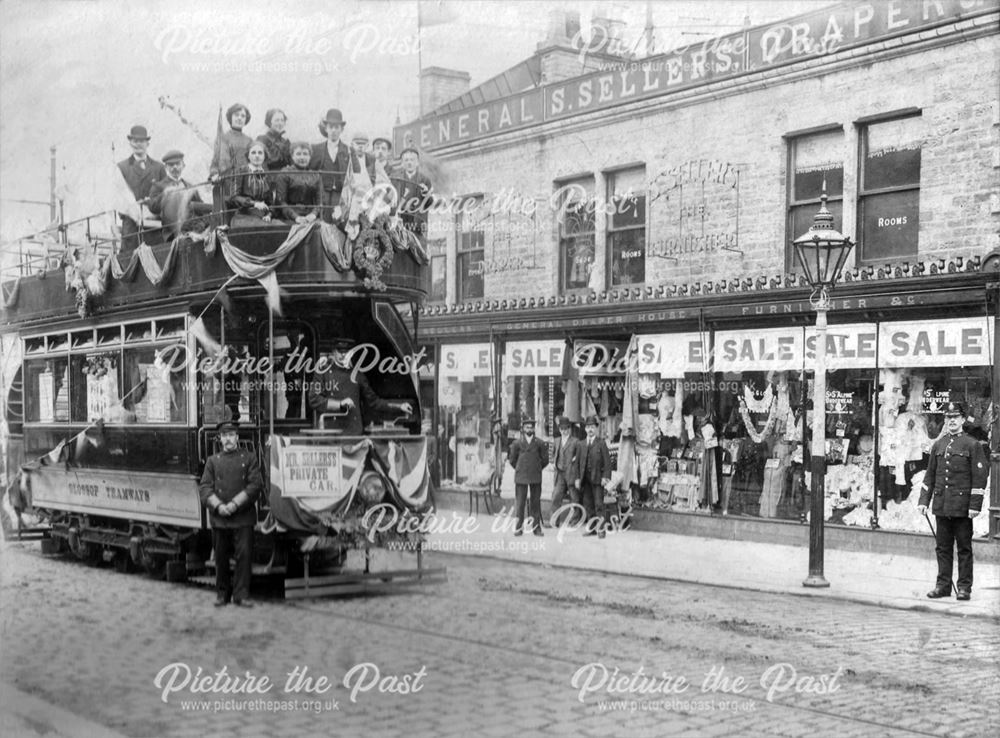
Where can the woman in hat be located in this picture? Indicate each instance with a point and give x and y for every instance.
(277, 148)
(232, 148)
(253, 189)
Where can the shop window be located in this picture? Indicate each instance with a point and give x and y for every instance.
(889, 192)
(813, 160)
(627, 227)
(576, 232)
(154, 386)
(46, 390)
(470, 239)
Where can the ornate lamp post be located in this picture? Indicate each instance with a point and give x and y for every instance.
(821, 251)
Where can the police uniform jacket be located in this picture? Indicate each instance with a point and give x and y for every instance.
(528, 459)
(594, 462)
(228, 473)
(956, 476)
(336, 384)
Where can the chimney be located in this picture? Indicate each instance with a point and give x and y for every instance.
(439, 85)
(559, 52)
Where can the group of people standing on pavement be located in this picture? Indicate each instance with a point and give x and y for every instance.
(273, 179)
(582, 469)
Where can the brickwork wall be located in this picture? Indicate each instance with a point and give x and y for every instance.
(955, 86)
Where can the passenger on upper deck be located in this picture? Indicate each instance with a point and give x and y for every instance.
(330, 158)
(381, 148)
(277, 148)
(415, 198)
(174, 200)
(140, 172)
(299, 189)
(233, 146)
(333, 389)
(254, 189)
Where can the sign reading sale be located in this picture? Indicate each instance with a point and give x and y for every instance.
(949, 342)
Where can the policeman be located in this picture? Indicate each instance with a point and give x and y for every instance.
(229, 487)
(337, 388)
(956, 477)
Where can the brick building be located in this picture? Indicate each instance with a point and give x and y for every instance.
(595, 199)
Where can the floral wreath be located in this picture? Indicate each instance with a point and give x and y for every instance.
(98, 365)
(373, 251)
(749, 424)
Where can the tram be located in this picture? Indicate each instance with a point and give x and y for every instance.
(129, 360)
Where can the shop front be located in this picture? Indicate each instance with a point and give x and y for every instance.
(714, 397)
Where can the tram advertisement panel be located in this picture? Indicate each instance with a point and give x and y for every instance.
(163, 498)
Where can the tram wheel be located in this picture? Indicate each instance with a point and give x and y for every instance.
(123, 562)
(154, 564)
(176, 571)
(492, 497)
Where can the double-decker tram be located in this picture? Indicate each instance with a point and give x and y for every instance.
(129, 359)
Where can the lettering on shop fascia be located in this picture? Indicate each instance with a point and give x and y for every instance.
(701, 202)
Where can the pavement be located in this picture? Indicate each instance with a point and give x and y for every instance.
(887, 580)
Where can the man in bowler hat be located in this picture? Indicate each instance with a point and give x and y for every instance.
(229, 489)
(566, 465)
(956, 479)
(528, 456)
(140, 171)
(593, 472)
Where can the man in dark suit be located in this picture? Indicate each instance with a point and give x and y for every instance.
(140, 171)
(593, 472)
(528, 456)
(566, 462)
(415, 198)
(331, 157)
(174, 201)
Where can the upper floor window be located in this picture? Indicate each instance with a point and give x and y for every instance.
(814, 159)
(576, 232)
(439, 274)
(627, 226)
(470, 239)
(889, 189)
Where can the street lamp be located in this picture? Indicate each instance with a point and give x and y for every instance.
(821, 251)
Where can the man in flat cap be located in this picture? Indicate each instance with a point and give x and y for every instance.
(593, 472)
(528, 456)
(229, 489)
(956, 479)
(140, 171)
(175, 201)
(337, 388)
(415, 193)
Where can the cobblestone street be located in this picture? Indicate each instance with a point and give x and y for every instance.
(495, 651)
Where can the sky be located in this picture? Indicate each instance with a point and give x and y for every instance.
(77, 74)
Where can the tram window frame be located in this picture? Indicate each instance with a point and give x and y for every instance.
(80, 340)
(105, 336)
(32, 391)
(285, 326)
(147, 335)
(78, 392)
(177, 415)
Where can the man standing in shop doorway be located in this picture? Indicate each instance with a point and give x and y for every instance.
(593, 472)
(956, 478)
(528, 456)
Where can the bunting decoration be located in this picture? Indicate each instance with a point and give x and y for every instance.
(10, 300)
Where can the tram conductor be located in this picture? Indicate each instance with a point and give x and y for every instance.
(229, 488)
(956, 479)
